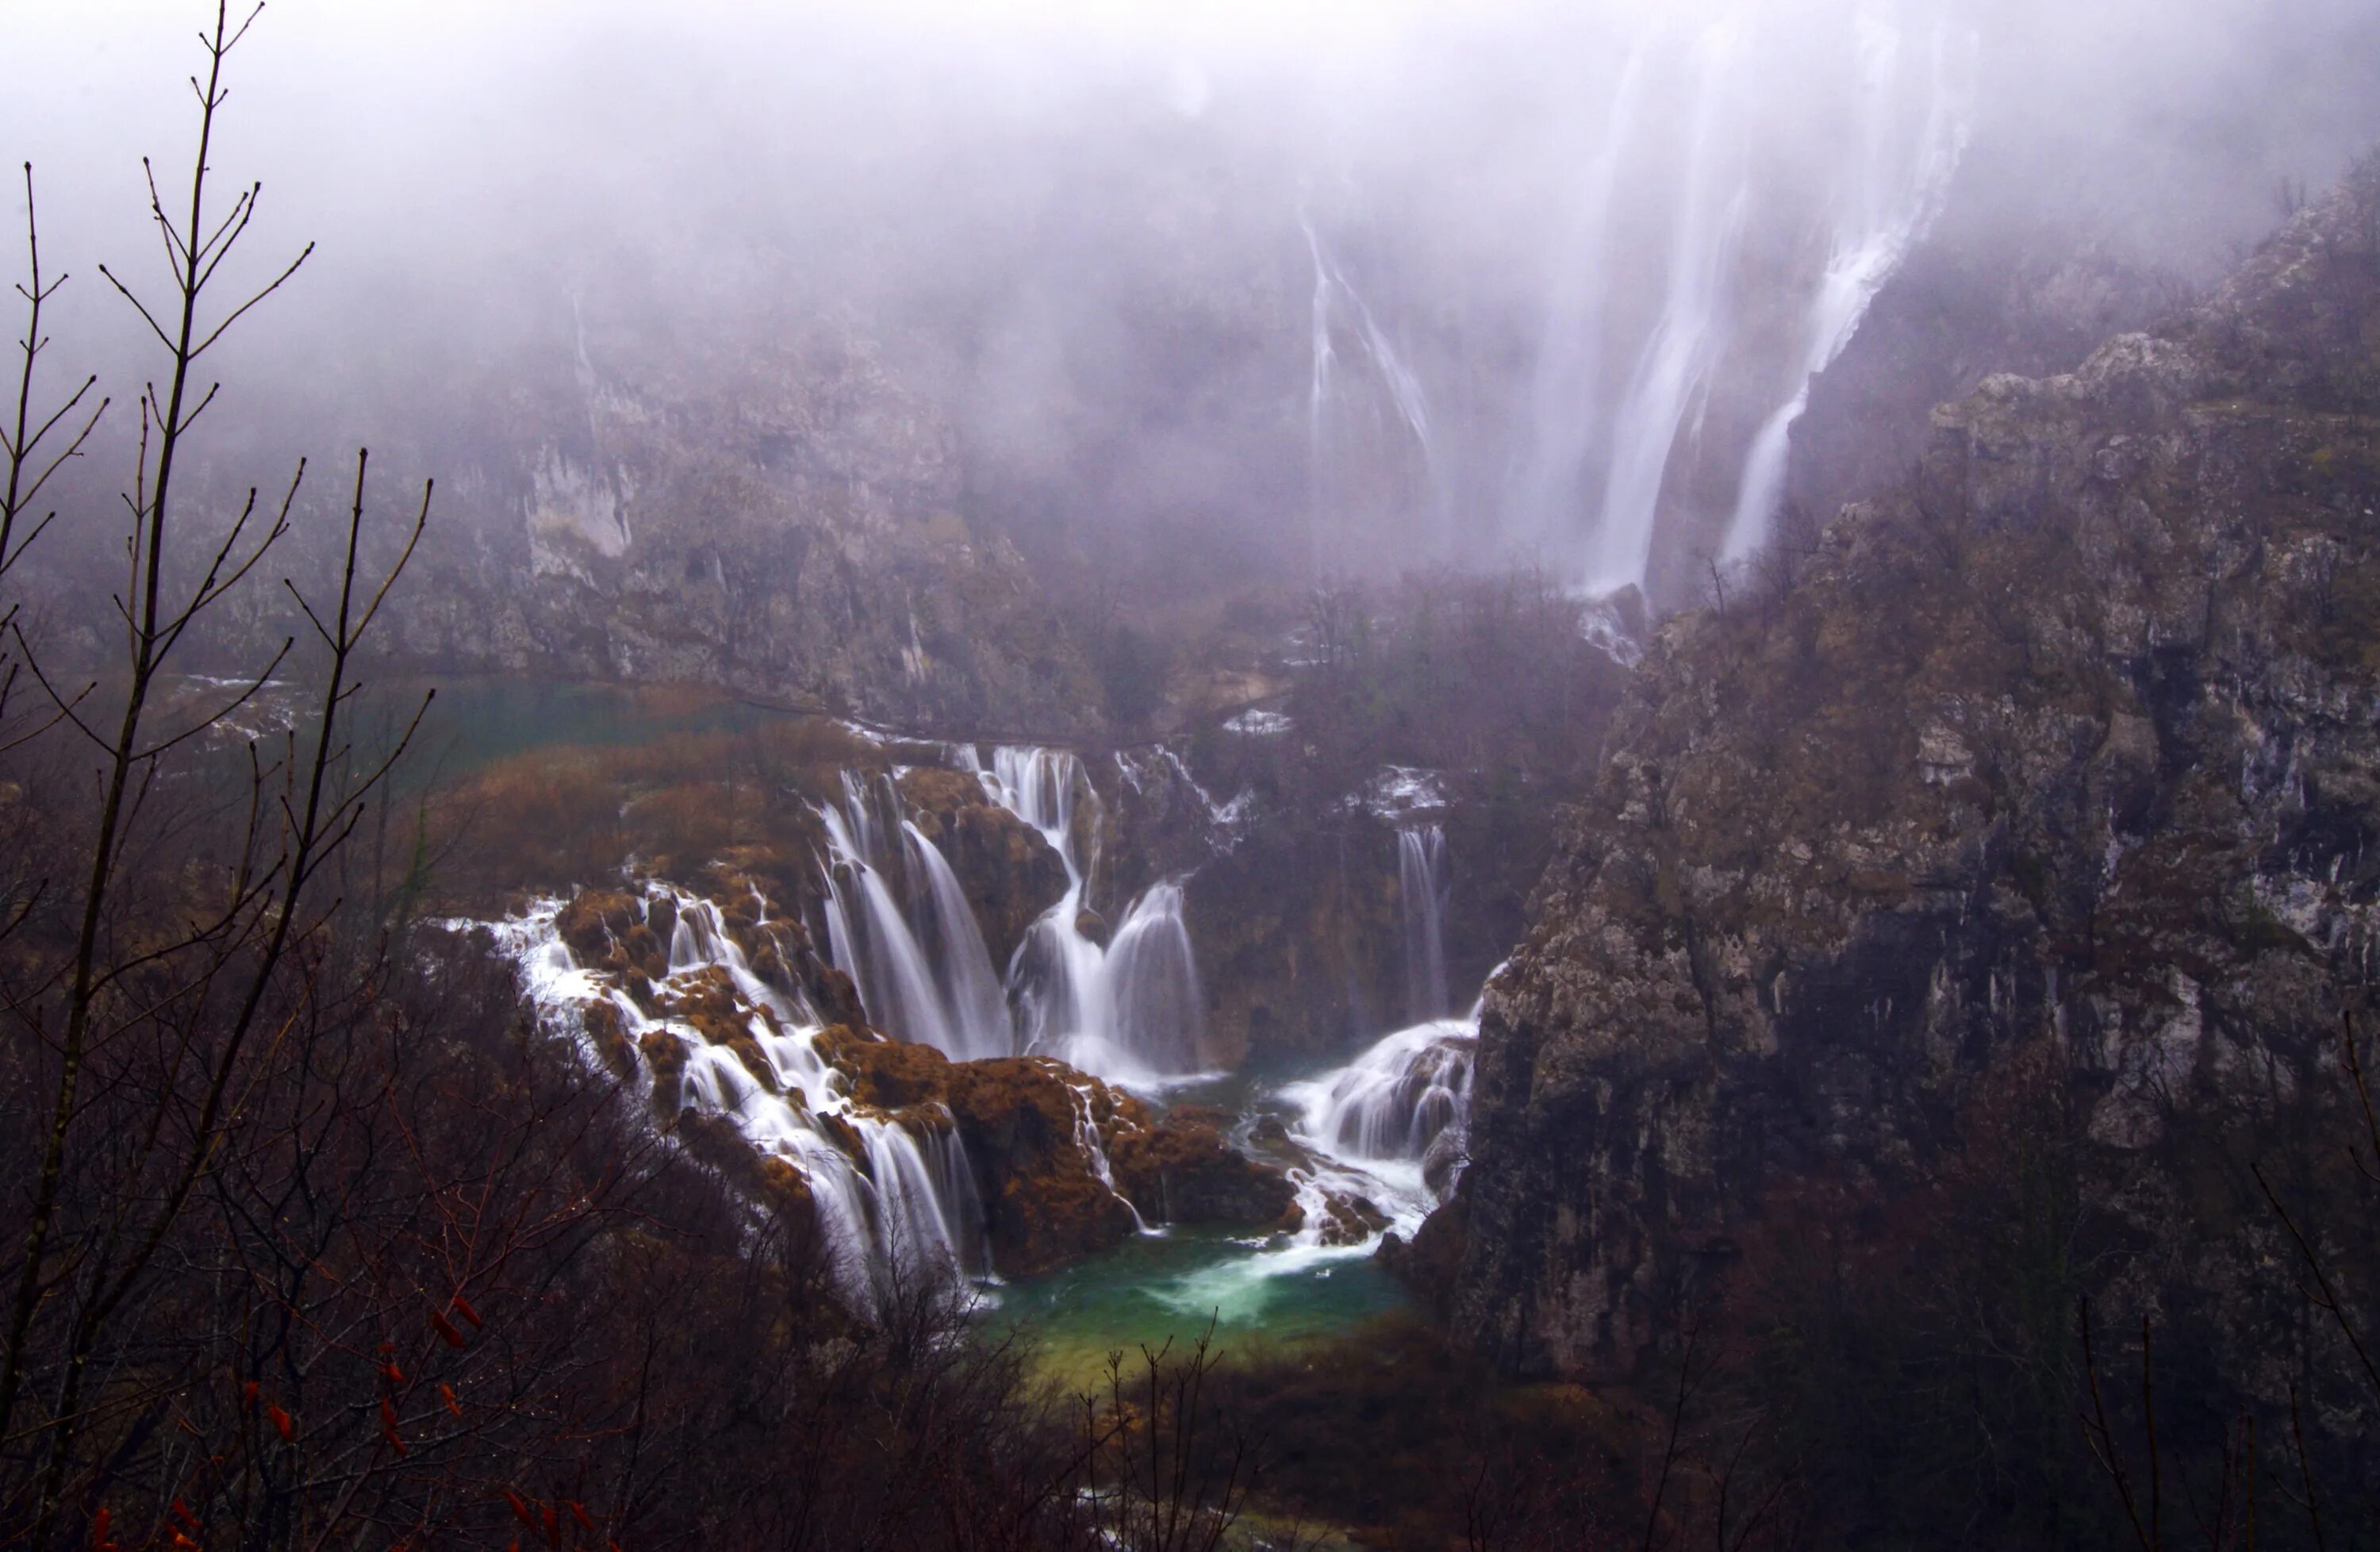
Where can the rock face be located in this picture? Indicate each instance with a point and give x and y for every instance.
(769, 509)
(1298, 944)
(2063, 751)
(1011, 875)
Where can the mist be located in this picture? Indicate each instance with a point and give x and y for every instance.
(1253, 291)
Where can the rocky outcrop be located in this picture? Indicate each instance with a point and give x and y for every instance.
(765, 505)
(1011, 874)
(1029, 1126)
(2062, 751)
(1299, 945)
(1185, 1170)
(1065, 1164)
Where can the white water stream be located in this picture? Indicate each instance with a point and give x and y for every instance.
(1373, 1146)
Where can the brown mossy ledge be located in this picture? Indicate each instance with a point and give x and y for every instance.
(1019, 1118)
(1184, 1170)
(627, 934)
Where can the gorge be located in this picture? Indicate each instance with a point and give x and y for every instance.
(1391, 777)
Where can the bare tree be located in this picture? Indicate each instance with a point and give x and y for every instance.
(160, 990)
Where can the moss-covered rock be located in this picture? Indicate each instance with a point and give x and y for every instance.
(1185, 1170)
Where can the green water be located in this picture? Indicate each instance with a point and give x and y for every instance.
(474, 722)
(1263, 1297)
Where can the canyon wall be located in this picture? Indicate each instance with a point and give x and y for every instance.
(2059, 752)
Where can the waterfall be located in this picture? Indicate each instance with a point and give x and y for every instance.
(1886, 211)
(1566, 395)
(1712, 213)
(1422, 888)
(976, 1009)
(1335, 299)
(917, 958)
(1677, 360)
(1132, 1011)
(1388, 1132)
(1398, 1100)
(1160, 1009)
(905, 1206)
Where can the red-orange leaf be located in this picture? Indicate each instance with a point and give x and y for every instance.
(445, 1329)
(447, 1393)
(393, 1375)
(578, 1512)
(462, 1308)
(520, 1509)
(281, 1423)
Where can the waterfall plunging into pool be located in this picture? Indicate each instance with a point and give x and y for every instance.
(1423, 888)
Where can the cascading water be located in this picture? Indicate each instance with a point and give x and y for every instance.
(1422, 888)
(977, 1008)
(918, 958)
(1566, 395)
(1675, 366)
(907, 1206)
(1131, 1011)
(1405, 1102)
(1339, 307)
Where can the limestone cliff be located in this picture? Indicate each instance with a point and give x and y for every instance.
(2066, 745)
(766, 506)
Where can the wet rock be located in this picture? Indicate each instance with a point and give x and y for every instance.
(1010, 873)
(1022, 1121)
(1350, 1219)
(772, 509)
(593, 922)
(1184, 1170)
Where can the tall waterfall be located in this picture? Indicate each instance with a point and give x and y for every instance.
(1893, 196)
(1339, 420)
(1673, 369)
(1422, 888)
(1732, 186)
